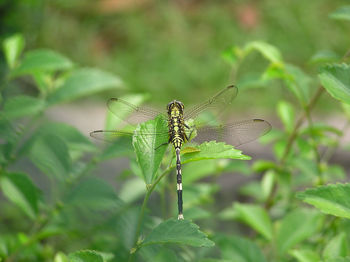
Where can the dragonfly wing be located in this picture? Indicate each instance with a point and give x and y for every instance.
(236, 134)
(109, 136)
(130, 113)
(112, 135)
(217, 103)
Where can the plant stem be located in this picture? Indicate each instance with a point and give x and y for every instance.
(143, 208)
(291, 139)
(299, 122)
(314, 145)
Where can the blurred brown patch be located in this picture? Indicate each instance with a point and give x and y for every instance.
(100, 46)
(111, 6)
(248, 16)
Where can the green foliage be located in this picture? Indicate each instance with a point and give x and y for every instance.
(40, 61)
(295, 227)
(150, 151)
(20, 190)
(22, 106)
(61, 205)
(330, 199)
(83, 82)
(85, 256)
(337, 247)
(50, 154)
(336, 80)
(212, 150)
(240, 249)
(305, 255)
(177, 231)
(13, 47)
(286, 113)
(256, 217)
(342, 13)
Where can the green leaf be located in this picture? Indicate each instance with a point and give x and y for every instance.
(165, 255)
(295, 79)
(324, 56)
(149, 149)
(339, 259)
(252, 189)
(267, 183)
(239, 249)
(159, 253)
(346, 108)
(286, 113)
(305, 255)
(50, 154)
(196, 213)
(256, 217)
(85, 256)
(320, 129)
(295, 227)
(120, 147)
(74, 139)
(336, 247)
(132, 190)
(197, 194)
(93, 193)
(13, 47)
(177, 232)
(330, 199)
(263, 165)
(213, 150)
(21, 106)
(60, 257)
(44, 81)
(197, 170)
(126, 226)
(19, 189)
(42, 60)
(84, 82)
(298, 82)
(252, 80)
(105, 256)
(336, 80)
(232, 55)
(342, 13)
(270, 52)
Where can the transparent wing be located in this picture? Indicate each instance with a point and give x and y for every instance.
(129, 113)
(236, 134)
(217, 104)
(112, 135)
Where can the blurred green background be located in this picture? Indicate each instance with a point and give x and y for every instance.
(173, 49)
(182, 50)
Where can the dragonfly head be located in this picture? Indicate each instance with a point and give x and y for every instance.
(175, 105)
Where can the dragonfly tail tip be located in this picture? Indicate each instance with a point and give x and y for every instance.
(180, 217)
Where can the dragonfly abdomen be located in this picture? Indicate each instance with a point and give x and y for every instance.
(179, 184)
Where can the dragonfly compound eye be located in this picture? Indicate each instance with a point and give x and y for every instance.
(181, 105)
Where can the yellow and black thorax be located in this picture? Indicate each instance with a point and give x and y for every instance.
(176, 124)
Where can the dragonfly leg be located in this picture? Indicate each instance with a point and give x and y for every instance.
(188, 137)
(164, 144)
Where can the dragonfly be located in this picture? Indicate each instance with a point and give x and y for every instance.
(179, 132)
